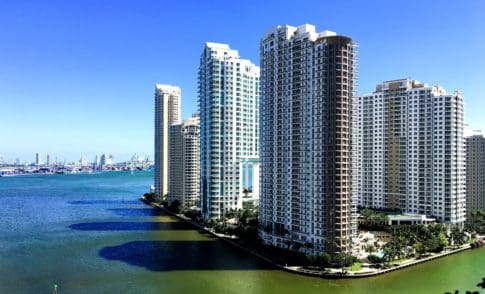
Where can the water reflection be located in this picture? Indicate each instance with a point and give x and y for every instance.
(134, 211)
(182, 255)
(103, 201)
(130, 226)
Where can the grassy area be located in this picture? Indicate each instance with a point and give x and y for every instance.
(357, 266)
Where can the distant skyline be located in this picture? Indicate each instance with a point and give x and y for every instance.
(78, 77)
(68, 157)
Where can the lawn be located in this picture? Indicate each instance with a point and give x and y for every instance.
(357, 266)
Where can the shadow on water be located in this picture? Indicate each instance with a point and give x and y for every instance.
(130, 226)
(134, 211)
(96, 201)
(183, 255)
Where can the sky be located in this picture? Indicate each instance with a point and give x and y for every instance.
(77, 77)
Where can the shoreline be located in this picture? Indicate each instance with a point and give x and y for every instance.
(340, 274)
(67, 173)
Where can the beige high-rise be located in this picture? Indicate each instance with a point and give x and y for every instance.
(185, 162)
(475, 174)
(167, 113)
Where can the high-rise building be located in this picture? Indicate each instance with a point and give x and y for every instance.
(410, 149)
(105, 160)
(167, 113)
(102, 160)
(307, 82)
(229, 96)
(185, 162)
(475, 173)
(48, 159)
(38, 160)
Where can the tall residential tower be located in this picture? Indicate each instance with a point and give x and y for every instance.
(475, 173)
(185, 162)
(229, 125)
(167, 113)
(307, 81)
(411, 150)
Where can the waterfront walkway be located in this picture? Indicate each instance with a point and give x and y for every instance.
(366, 271)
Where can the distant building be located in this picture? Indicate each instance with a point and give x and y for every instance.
(167, 113)
(411, 150)
(250, 180)
(475, 173)
(48, 159)
(306, 195)
(83, 161)
(110, 160)
(185, 162)
(229, 95)
(38, 160)
(105, 160)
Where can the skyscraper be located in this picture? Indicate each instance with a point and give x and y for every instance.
(229, 124)
(38, 160)
(102, 160)
(307, 82)
(185, 162)
(411, 150)
(48, 159)
(167, 113)
(475, 173)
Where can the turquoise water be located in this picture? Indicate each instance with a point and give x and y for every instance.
(88, 233)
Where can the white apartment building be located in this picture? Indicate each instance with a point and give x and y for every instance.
(229, 96)
(410, 146)
(307, 82)
(185, 162)
(167, 113)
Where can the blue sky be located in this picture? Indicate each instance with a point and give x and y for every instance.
(77, 77)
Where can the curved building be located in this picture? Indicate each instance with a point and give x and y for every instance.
(307, 82)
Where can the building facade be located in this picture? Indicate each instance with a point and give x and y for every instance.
(185, 162)
(475, 173)
(307, 81)
(38, 160)
(167, 113)
(229, 95)
(411, 150)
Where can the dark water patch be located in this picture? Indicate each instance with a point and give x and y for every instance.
(100, 201)
(182, 255)
(134, 211)
(130, 226)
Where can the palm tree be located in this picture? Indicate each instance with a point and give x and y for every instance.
(245, 192)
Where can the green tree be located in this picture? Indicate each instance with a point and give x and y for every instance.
(419, 247)
(324, 259)
(370, 248)
(458, 236)
(175, 206)
(343, 260)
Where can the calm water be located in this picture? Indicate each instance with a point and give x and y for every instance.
(90, 234)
